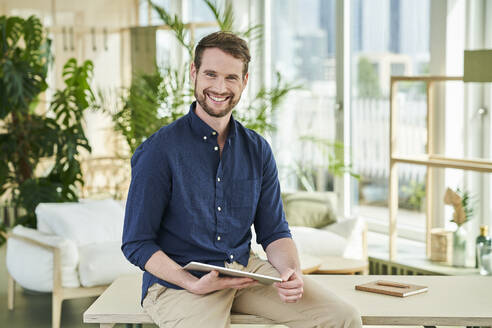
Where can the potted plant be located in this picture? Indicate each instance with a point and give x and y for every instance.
(39, 152)
(463, 212)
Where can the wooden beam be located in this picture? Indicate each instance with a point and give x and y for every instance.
(443, 162)
(10, 291)
(429, 189)
(393, 178)
(426, 78)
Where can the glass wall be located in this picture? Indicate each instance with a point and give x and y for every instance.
(303, 52)
(389, 37)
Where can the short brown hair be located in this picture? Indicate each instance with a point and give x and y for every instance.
(227, 42)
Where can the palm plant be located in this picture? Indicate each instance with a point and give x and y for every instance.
(332, 153)
(27, 138)
(154, 100)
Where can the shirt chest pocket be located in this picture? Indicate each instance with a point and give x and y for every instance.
(244, 198)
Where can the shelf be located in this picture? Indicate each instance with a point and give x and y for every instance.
(446, 162)
(429, 159)
(411, 257)
(426, 78)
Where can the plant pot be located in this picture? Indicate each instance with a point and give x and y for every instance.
(459, 247)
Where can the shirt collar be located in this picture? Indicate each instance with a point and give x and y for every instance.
(200, 128)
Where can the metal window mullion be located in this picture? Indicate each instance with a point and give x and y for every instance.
(437, 66)
(343, 119)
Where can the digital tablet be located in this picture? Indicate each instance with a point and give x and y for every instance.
(197, 266)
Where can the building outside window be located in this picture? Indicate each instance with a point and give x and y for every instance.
(303, 51)
(389, 37)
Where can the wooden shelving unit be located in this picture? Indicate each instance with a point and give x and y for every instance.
(430, 159)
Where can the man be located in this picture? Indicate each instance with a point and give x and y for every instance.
(197, 186)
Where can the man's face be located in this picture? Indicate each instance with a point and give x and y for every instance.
(219, 82)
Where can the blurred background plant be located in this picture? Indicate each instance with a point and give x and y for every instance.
(28, 138)
(413, 195)
(157, 99)
(331, 159)
(367, 80)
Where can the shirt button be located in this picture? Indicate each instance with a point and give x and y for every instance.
(204, 137)
(218, 179)
(214, 133)
(218, 237)
(219, 208)
(216, 148)
(232, 256)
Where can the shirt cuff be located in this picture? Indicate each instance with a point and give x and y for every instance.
(145, 252)
(274, 237)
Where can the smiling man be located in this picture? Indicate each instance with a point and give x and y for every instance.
(221, 92)
(197, 186)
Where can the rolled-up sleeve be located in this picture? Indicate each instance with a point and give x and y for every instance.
(270, 223)
(147, 200)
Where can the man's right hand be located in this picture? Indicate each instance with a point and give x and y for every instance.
(212, 282)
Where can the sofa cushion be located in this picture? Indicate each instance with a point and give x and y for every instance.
(352, 230)
(311, 241)
(85, 223)
(316, 242)
(24, 258)
(101, 263)
(309, 209)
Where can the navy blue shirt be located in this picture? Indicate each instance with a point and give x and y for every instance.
(195, 205)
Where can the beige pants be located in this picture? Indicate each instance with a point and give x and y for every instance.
(317, 308)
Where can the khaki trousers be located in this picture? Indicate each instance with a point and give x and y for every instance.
(318, 307)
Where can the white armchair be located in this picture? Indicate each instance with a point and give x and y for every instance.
(75, 252)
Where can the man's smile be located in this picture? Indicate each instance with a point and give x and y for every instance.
(217, 99)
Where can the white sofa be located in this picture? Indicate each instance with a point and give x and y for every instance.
(75, 251)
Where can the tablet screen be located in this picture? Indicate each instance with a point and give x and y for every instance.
(197, 266)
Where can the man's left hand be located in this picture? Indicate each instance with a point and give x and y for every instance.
(291, 288)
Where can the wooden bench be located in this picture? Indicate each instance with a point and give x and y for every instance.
(451, 300)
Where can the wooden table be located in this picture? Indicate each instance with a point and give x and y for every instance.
(309, 264)
(340, 265)
(451, 300)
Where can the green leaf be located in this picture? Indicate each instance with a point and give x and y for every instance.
(33, 33)
(253, 33)
(23, 65)
(37, 190)
(224, 17)
(11, 30)
(176, 25)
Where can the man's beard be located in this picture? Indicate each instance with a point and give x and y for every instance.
(202, 100)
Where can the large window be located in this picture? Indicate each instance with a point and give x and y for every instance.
(389, 37)
(303, 51)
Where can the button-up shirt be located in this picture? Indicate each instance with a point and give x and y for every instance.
(195, 204)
